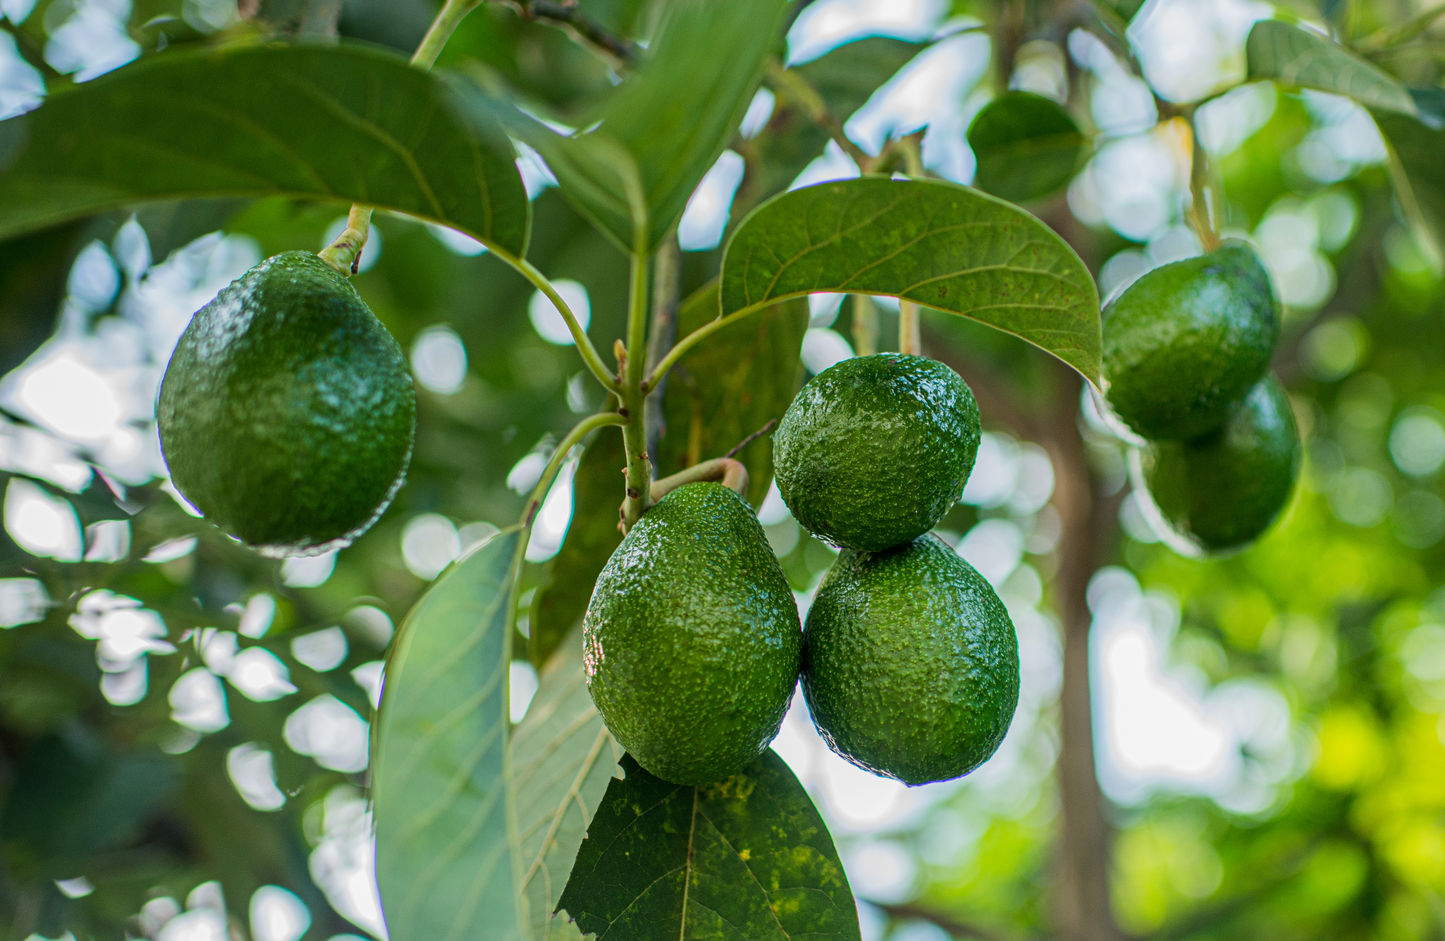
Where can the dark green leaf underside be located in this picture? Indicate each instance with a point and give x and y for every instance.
(746, 858)
(940, 244)
(445, 860)
(331, 123)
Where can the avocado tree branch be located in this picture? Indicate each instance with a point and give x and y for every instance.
(632, 394)
(909, 338)
(567, 15)
(666, 284)
(793, 89)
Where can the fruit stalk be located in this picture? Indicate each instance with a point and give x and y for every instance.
(344, 254)
(1204, 203)
(632, 395)
(910, 338)
(724, 470)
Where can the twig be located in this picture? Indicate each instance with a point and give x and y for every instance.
(666, 282)
(567, 14)
(956, 927)
(772, 423)
(793, 89)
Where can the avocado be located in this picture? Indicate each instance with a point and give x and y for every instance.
(287, 410)
(1188, 340)
(875, 450)
(910, 662)
(1221, 491)
(691, 639)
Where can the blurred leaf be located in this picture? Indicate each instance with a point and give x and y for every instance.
(591, 540)
(678, 112)
(940, 244)
(1418, 172)
(731, 385)
(1027, 147)
(845, 78)
(562, 760)
(33, 272)
(747, 857)
(1293, 56)
(310, 122)
(446, 862)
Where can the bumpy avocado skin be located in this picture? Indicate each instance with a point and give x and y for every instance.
(1188, 340)
(910, 662)
(691, 640)
(1223, 490)
(875, 450)
(287, 410)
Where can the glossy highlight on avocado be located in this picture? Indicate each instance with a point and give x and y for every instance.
(691, 639)
(287, 410)
(1188, 340)
(1221, 492)
(910, 662)
(875, 450)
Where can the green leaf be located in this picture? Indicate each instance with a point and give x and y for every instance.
(748, 857)
(1293, 56)
(730, 385)
(940, 244)
(333, 123)
(591, 540)
(446, 845)
(563, 759)
(1027, 147)
(678, 112)
(1418, 175)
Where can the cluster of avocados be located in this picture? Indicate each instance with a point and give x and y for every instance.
(1186, 357)
(908, 660)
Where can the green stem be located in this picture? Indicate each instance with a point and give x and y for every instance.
(1204, 211)
(679, 350)
(569, 441)
(633, 395)
(579, 336)
(441, 30)
(726, 471)
(344, 254)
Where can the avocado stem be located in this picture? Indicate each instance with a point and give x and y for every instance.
(344, 254)
(440, 31)
(910, 337)
(1204, 202)
(724, 470)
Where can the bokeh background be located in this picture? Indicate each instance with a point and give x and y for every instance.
(184, 725)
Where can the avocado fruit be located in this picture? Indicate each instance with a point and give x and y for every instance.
(1220, 492)
(1188, 340)
(287, 410)
(910, 662)
(691, 641)
(874, 450)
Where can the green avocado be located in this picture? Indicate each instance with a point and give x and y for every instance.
(876, 449)
(287, 410)
(910, 662)
(691, 640)
(1220, 492)
(1188, 340)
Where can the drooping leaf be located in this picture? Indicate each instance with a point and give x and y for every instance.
(1419, 155)
(730, 385)
(845, 78)
(446, 853)
(748, 857)
(943, 245)
(563, 759)
(1027, 147)
(1293, 56)
(334, 123)
(591, 540)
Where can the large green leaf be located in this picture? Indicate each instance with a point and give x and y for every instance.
(1293, 56)
(1027, 147)
(940, 244)
(563, 759)
(745, 858)
(591, 540)
(447, 860)
(334, 123)
(730, 385)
